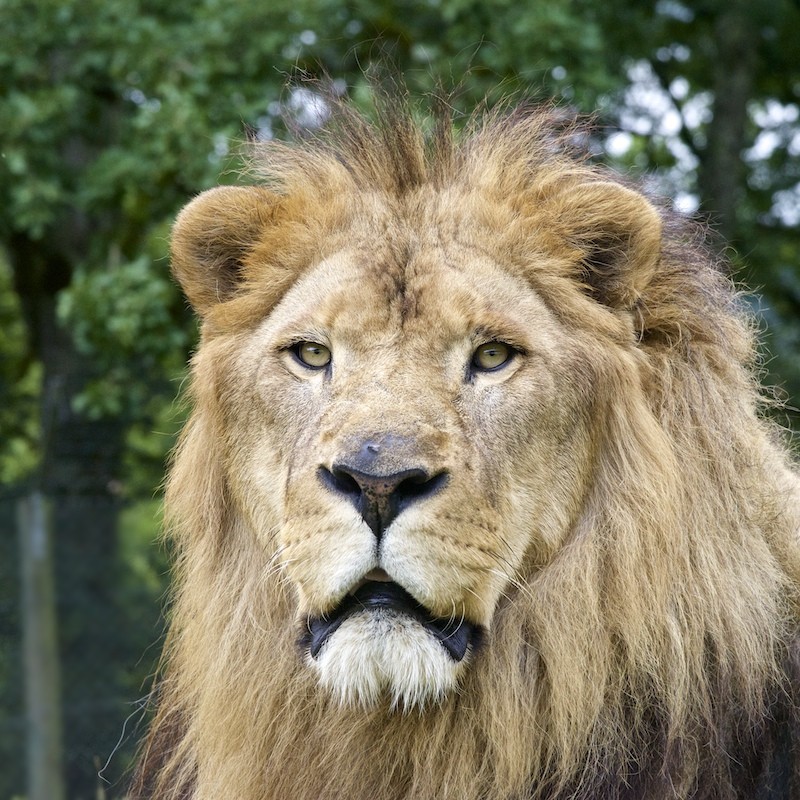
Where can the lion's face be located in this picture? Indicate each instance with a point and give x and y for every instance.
(407, 430)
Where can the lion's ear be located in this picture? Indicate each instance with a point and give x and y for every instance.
(212, 236)
(618, 231)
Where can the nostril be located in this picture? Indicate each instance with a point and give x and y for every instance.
(417, 486)
(340, 481)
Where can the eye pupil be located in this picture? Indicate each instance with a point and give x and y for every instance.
(491, 355)
(313, 354)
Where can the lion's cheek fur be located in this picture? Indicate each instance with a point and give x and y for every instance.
(344, 553)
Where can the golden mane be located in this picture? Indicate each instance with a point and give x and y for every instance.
(651, 655)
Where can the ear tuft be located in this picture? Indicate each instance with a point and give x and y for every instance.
(211, 238)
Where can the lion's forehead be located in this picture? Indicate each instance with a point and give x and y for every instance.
(432, 296)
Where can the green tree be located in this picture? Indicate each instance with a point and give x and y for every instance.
(112, 115)
(717, 107)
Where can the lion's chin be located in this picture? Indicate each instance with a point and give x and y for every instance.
(379, 654)
(379, 644)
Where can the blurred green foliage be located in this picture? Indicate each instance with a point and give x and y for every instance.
(20, 381)
(119, 320)
(114, 113)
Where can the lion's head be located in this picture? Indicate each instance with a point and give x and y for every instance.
(474, 500)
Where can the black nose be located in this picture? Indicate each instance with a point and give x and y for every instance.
(380, 498)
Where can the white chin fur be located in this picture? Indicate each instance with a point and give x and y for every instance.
(377, 654)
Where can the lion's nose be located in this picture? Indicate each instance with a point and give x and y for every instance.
(380, 498)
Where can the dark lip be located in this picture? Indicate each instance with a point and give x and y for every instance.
(455, 635)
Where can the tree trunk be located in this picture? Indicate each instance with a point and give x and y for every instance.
(78, 476)
(40, 651)
(722, 173)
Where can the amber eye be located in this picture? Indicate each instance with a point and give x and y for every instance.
(312, 354)
(491, 356)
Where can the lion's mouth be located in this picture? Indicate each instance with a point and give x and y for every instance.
(455, 635)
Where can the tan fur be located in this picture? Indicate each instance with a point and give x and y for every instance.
(618, 517)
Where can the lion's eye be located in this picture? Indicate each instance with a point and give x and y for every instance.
(312, 354)
(491, 356)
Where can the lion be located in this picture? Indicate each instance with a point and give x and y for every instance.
(477, 498)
